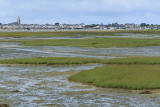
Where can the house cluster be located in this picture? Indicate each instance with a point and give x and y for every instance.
(57, 26)
(127, 26)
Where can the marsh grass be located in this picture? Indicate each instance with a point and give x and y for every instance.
(79, 60)
(51, 61)
(136, 73)
(34, 34)
(135, 77)
(50, 34)
(73, 33)
(133, 61)
(94, 42)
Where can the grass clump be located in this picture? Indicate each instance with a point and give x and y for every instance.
(135, 77)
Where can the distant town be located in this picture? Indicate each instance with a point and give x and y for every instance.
(57, 26)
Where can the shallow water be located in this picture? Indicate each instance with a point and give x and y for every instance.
(13, 50)
(38, 85)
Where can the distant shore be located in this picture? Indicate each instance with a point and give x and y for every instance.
(55, 30)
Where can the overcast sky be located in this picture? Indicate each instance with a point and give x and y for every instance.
(77, 11)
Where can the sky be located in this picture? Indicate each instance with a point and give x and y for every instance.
(78, 11)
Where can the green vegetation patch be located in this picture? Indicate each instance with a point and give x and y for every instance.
(133, 60)
(51, 61)
(34, 34)
(78, 60)
(135, 77)
(50, 34)
(94, 42)
(73, 33)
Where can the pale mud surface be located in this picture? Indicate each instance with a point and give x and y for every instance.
(39, 86)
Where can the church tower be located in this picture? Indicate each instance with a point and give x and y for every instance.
(18, 20)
